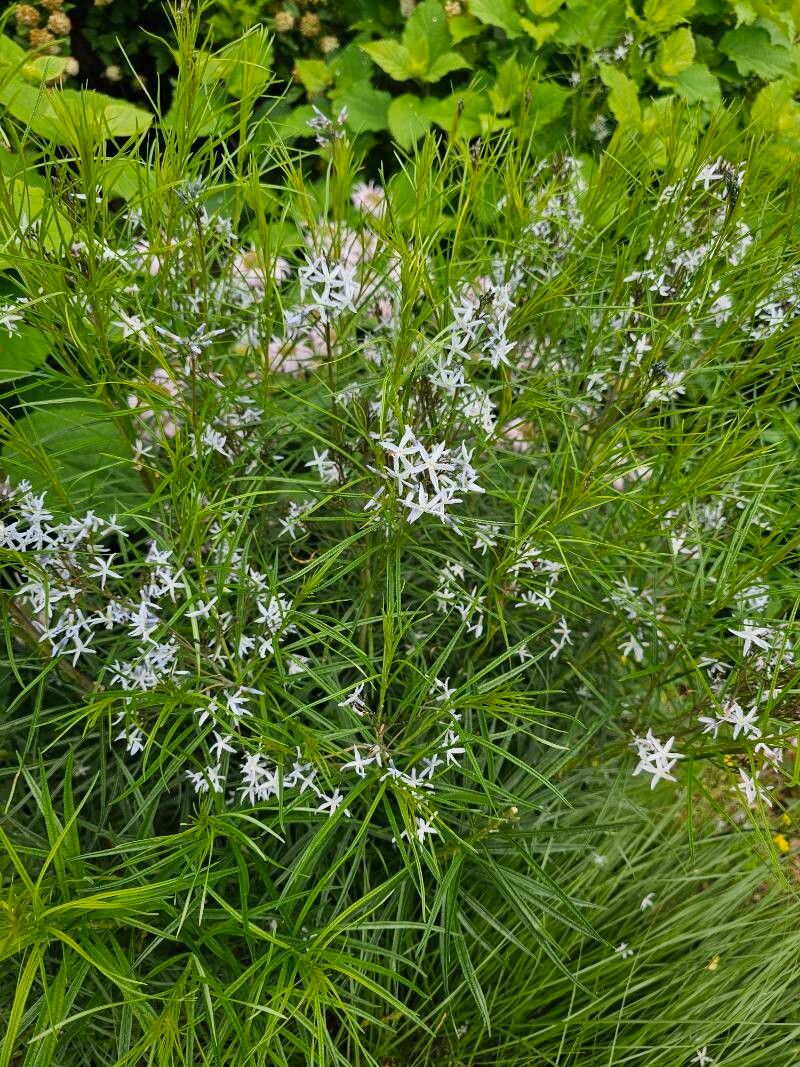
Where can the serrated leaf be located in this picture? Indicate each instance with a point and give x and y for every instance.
(753, 52)
(460, 113)
(350, 66)
(407, 119)
(776, 112)
(462, 27)
(778, 18)
(675, 53)
(425, 34)
(547, 102)
(392, 57)
(590, 24)
(508, 87)
(697, 85)
(539, 31)
(313, 74)
(77, 454)
(623, 96)
(22, 352)
(445, 64)
(660, 15)
(544, 8)
(500, 13)
(366, 107)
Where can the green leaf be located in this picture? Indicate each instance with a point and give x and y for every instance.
(544, 8)
(623, 96)
(32, 206)
(498, 13)
(22, 352)
(460, 112)
(120, 119)
(697, 85)
(463, 27)
(675, 53)
(366, 107)
(244, 66)
(392, 57)
(753, 52)
(295, 122)
(104, 116)
(350, 66)
(548, 101)
(11, 54)
(660, 15)
(775, 112)
(539, 31)
(591, 24)
(44, 68)
(776, 18)
(31, 106)
(426, 34)
(444, 64)
(313, 74)
(407, 119)
(508, 87)
(75, 452)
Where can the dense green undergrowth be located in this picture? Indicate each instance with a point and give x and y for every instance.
(369, 551)
(542, 69)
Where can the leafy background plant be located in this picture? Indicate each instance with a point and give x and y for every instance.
(572, 68)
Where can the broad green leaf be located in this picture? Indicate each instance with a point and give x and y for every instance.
(658, 140)
(392, 57)
(547, 102)
(462, 27)
(445, 64)
(103, 116)
(660, 15)
(366, 106)
(544, 8)
(508, 87)
(32, 107)
(350, 66)
(244, 65)
(591, 24)
(407, 119)
(295, 123)
(753, 52)
(460, 113)
(11, 54)
(120, 119)
(697, 85)
(675, 53)
(22, 352)
(127, 177)
(77, 454)
(776, 112)
(778, 18)
(539, 31)
(313, 74)
(500, 13)
(44, 68)
(426, 34)
(32, 206)
(623, 96)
